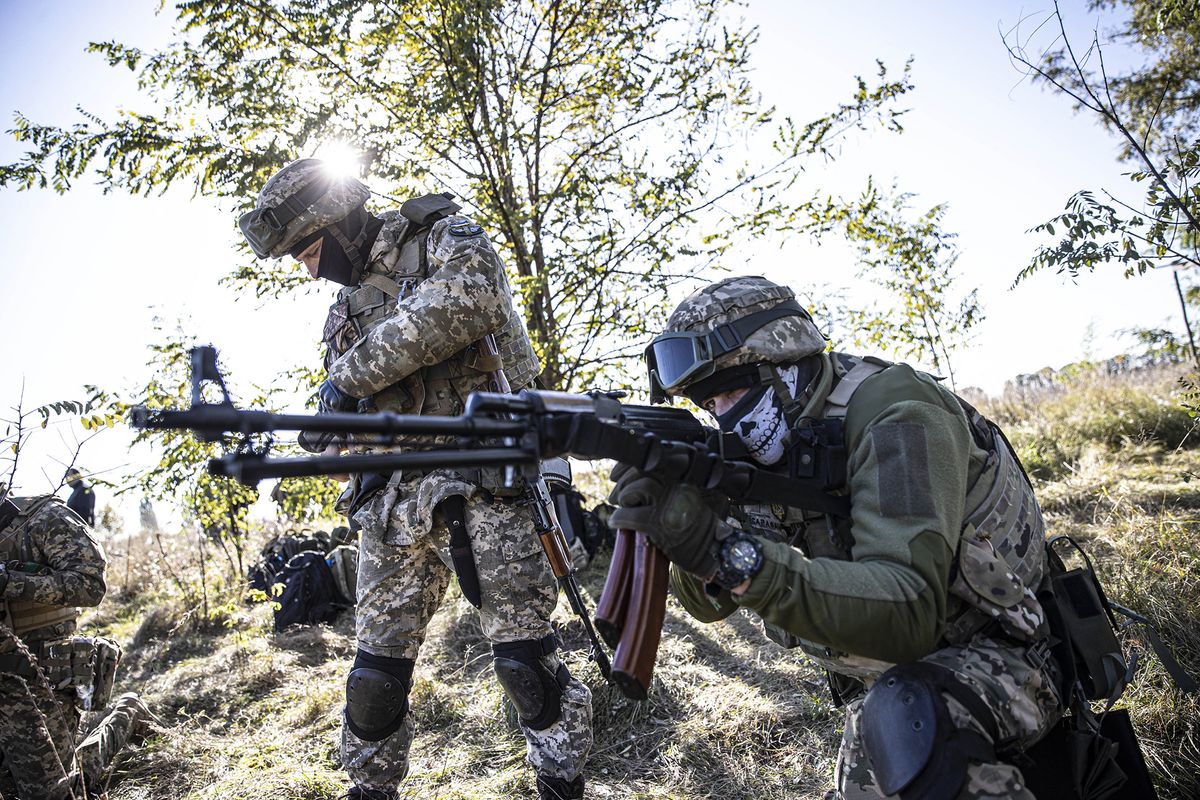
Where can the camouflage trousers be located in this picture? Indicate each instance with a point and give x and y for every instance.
(99, 748)
(38, 729)
(36, 741)
(1022, 699)
(404, 569)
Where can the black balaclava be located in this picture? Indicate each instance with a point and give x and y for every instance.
(358, 230)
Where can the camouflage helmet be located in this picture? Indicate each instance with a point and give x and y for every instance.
(742, 321)
(299, 200)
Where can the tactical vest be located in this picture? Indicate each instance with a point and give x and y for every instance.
(1000, 562)
(442, 388)
(16, 544)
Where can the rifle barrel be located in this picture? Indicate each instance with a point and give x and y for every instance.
(213, 420)
(250, 468)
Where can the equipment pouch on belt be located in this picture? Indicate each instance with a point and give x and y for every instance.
(108, 656)
(56, 658)
(1081, 618)
(83, 668)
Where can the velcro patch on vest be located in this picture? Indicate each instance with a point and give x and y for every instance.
(465, 229)
(902, 461)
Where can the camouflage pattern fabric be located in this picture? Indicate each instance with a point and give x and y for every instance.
(63, 544)
(929, 499)
(783, 341)
(36, 736)
(72, 574)
(1022, 699)
(95, 754)
(887, 599)
(404, 569)
(464, 297)
(403, 338)
(341, 196)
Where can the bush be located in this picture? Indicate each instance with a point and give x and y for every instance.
(1053, 424)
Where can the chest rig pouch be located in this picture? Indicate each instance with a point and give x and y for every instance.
(1001, 561)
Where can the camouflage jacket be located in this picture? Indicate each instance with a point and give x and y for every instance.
(68, 566)
(913, 569)
(405, 337)
(446, 299)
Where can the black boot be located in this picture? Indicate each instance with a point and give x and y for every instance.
(552, 788)
(359, 793)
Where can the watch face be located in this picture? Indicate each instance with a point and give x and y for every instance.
(743, 556)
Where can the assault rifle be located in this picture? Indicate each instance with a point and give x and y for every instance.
(516, 431)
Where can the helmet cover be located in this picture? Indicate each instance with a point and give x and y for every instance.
(780, 341)
(299, 200)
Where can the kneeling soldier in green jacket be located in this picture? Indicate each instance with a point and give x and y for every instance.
(919, 600)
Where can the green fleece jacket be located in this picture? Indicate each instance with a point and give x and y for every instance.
(911, 462)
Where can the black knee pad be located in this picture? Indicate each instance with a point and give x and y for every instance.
(377, 695)
(913, 746)
(534, 690)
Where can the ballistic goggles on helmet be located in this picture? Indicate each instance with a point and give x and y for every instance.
(264, 228)
(677, 358)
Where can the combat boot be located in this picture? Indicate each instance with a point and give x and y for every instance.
(553, 788)
(359, 793)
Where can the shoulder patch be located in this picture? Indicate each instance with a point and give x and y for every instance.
(465, 229)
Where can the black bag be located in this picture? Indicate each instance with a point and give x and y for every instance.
(309, 595)
(1075, 762)
(264, 574)
(278, 551)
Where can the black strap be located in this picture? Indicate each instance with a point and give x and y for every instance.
(1183, 681)
(948, 681)
(530, 649)
(296, 204)
(453, 510)
(732, 335)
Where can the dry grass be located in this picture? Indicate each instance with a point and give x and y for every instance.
(253, 714)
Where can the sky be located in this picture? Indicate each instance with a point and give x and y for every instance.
(86, 275)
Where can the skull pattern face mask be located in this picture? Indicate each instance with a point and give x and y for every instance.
(758, 420)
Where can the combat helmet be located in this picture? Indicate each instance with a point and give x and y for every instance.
(299, 201)
(719, 337)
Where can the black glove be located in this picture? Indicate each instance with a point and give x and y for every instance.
(334, 400)
(315, 441)
(682, 520)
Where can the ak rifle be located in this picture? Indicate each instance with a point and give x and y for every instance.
(516, 431)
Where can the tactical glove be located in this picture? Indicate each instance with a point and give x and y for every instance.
(334, 400)
(679, 518)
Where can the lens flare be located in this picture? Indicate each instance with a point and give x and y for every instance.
(341, 160)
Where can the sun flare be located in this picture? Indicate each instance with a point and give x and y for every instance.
(341, 159)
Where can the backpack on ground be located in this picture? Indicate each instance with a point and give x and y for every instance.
(343, 563)
(310, 594)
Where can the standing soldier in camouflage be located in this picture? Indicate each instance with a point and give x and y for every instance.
(914, 587)
(422, 286)
(49, 565)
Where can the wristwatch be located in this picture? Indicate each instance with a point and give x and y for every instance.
(739, 559)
